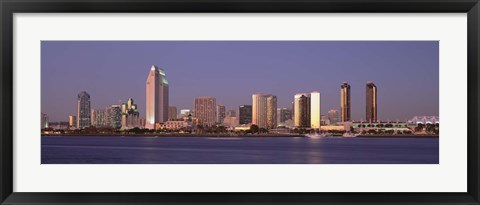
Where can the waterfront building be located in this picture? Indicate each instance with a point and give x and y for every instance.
(333, 117)
(72, 121)
(83, 110)
(371, 104)
(205, 108)
(345, 101)
(283, 114)
(99, 118)
(113, 116)
(184, 113)
(172, 113)
(302, 110)
(43, 120)
(230, 121)
(130, 115)
(173, 125)
(156, 97)
(324, 120)
(315, 116)
(264, 110)
(245, 114)
(220, 114)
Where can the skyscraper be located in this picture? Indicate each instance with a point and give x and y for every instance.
(83, 110)
(333, 116)
(99, 118)
(315, 116)
(72, 121)
(220, 114)
(172, 113)
(345, 101)
(43, 121)
(245, 114)
(205, 110)
(113, 116)
(272, 112)
(264, 110)
(283, 114)
(371, 104)
(130, 116)
(156, 97)
(302, 110)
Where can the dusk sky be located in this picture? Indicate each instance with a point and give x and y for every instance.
(405, 72)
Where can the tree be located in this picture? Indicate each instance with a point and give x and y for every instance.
(419, 127)
(254, 128)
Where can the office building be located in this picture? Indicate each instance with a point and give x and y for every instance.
(43, 120)
(130, 115)
(220, 114)
(205, 108)
(156, 97)
(315, 116)
(302, 110)
(83, 110)
(72, 121)
(264, 110)
(371, 102)
(99, 118)
(114, 116)
(345, 102)
(172, 113)
(333, 116)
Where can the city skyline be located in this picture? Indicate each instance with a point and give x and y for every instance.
(330, 93)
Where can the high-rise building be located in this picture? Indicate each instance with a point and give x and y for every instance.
(114, 116)
(172, 113)
(345, 101)
(72, 121)
(130, 115)
(205, 110)
(83, 110)
(302, 110)
(43, 121)
(245, 114)
(99, 118)
(333, 116)
(220, 114)
(264, 110)
(156, 97)
(283, 114)
(315, 116)
(272, 112)
(230, 113)
(371, 104)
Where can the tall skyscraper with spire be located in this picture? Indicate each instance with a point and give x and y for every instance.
(345, 101)
(371, 104)
(156, 97)
(83, 110)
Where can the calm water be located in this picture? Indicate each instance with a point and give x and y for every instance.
(265, 150)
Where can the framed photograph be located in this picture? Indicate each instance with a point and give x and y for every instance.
(252, 102)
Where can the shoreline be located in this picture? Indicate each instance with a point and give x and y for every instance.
(232, 136)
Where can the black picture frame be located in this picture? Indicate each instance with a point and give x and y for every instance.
(9, 7)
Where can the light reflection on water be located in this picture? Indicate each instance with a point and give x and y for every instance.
(235, 150)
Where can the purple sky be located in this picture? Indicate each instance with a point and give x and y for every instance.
(405, 72)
